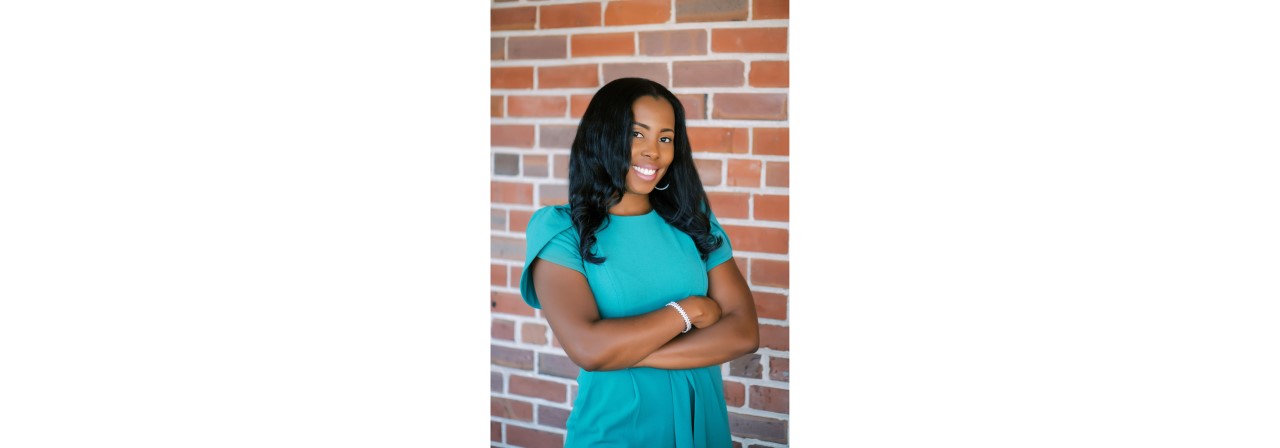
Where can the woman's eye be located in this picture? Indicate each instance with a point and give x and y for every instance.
(665, 139)
(636, 134)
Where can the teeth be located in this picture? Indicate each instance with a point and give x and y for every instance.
(646, 171)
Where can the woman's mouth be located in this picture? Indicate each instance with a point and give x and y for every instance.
(648, 174)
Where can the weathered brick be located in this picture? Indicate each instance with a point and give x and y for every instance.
(584, 75)
(578, 104)
(536, 388)
(725, 140)
(508, 303)
(777, 174)
(734, 394)
(747, 366)
(553, 194)
(744, 40)
(695, 105)
(572, 15)
(708, 171)
(516, 271)
(770, 305)
(762, 428)
(711, 10)
(497, 48)
(503, 329)
(757, 239)
(495, 106)
(673, 43)
(656, 71)
(511, 357)
(770, 399)
(498, 273)
(780, 369)
(706, 73)
(518, 18)
(603, 44)
(535, 165)
(495, 382)
(497, 219)
(506, 164)
(538, 47)
(556, 136)
(561, 166)
(744, 106)
(637, 12)
(772, 207)
(775, 337)
(774, 273)
(511, 135)
(770, 9)
(495, 431)
(511, 408)
(552, 416)
(510, 192)
(537, 106)
(531, 333)
(506, 248)
(519, 221)
(557, 365)
(511, 77)
(729, 205)
(771, 141)
(744, 173)
(533, 438)
(770, 74)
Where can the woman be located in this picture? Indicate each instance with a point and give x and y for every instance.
(637, 279)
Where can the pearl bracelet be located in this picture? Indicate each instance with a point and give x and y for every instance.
(687, 324)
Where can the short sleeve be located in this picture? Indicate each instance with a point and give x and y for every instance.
(550, 236)
(725, 251)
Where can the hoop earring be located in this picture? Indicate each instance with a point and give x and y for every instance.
(664, 187)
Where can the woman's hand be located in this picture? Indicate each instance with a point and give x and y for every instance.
(702, 310)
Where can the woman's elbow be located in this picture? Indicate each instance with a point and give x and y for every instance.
(750, 339)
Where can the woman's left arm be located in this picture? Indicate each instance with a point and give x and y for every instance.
(736, 333)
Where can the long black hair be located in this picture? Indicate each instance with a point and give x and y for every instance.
(600, 158)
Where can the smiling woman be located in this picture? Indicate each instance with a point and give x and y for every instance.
(637, 280)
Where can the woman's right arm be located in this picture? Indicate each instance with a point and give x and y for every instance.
(594, 343)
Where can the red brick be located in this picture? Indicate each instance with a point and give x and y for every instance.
(557, 365)
(770, 74)
(656, 71)
(518, 222)
(673, 43)
(518, 18)
(511, 357)
(711, 10)
(770, 399)
(586, 75)
(495, 431)
(746, 366)
(771, 141)
(511, 135)
(746, 106)
(708, 171)
(637, 12)
(533, 387)
(748, 426)
(726, 140)
(770, 273)
(557, 136)
(706, 73)
(497, 275)
(509, 303)
(745, 40)
(532, 438)
(778, 174)
(535, 165)
(695, 105)
(772, 207)
(553, 194)
(578, 104)
(531, 333)
(538, 47)
(511, 408)
(561, 165)
(775, 337)
(734, 394)
(511, 77)
(516, 271)
(729, 205)
(497, 219)
(505, 248)
(571, 15)
(770, 305)
(495, 106)
(757, 239)
(497, 48)
(744, 173)
(511, 193)
(503, 329)
(770, 9)
(780, 369)
(537, 106)
(604, 44)
(552, 416)
(506, 165)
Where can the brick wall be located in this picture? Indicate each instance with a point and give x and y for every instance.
(727, 61)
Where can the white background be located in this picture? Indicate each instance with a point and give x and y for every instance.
(264, 224)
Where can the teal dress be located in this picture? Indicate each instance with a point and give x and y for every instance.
(647, 264)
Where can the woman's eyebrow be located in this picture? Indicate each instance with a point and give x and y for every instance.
(646, 127)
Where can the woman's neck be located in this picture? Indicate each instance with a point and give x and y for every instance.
(631, 205)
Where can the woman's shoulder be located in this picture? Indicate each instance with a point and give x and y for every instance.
(549, 221)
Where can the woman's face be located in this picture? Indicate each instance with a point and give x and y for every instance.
(653, 143)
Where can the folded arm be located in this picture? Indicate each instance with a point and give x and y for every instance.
(736, 333)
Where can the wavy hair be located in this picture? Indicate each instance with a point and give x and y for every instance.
(600, 158)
